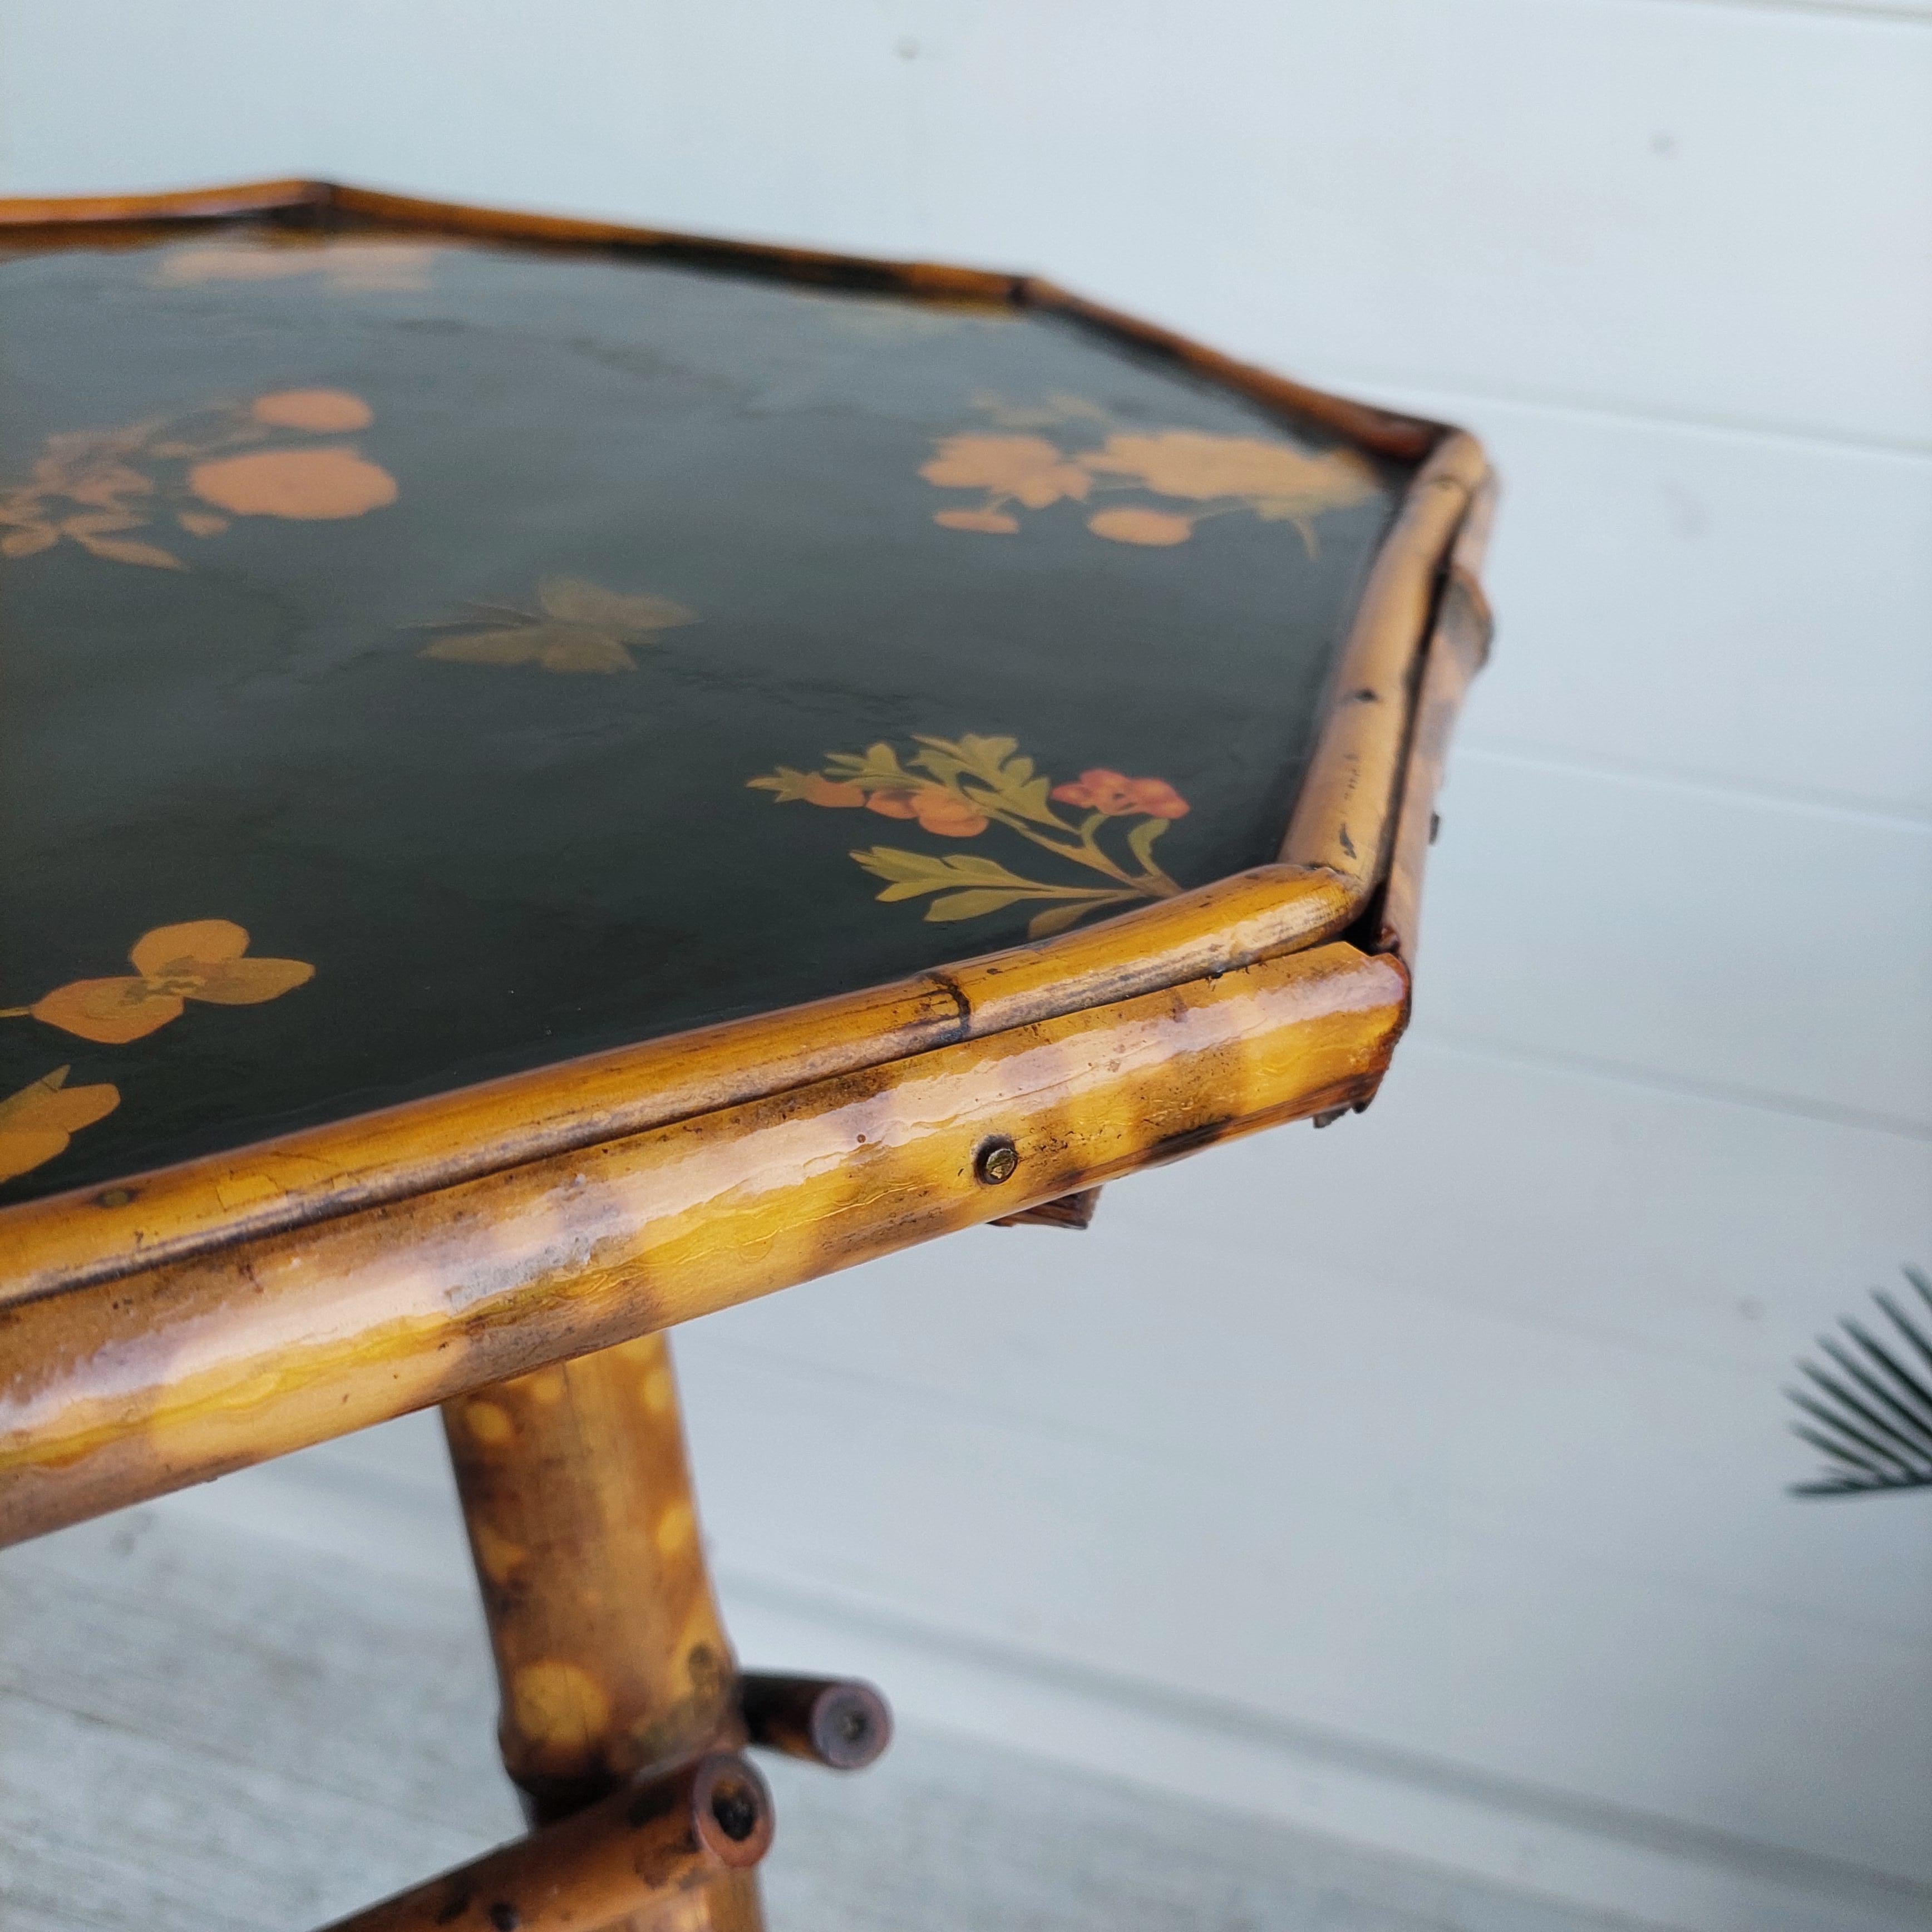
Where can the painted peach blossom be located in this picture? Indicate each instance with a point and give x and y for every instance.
(330, 412)
(1115, 794)
(936, 808)
(309, 484)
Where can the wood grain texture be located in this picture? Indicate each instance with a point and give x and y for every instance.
(140, 1385)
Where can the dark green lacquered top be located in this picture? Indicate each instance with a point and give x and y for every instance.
(420, 661)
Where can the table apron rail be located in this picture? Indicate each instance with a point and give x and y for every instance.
(124, 1389)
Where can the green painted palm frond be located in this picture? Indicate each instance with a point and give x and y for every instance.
(1870, 1410)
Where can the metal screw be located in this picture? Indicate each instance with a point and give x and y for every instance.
(998, 1161)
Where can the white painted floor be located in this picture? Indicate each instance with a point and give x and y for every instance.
(210, 1726)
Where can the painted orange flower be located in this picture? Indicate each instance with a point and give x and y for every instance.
(1186, 463)
(936, 808)
(310, 484)
(1027, 469)
(36, 1123)
(328, 412)
(201, 960)
(1117, 795)
(1159, 528)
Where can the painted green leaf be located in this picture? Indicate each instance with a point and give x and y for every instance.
(909, 873)
(791, 786)
(1055, 918)
(878, 769)
(1140, 840)
(968, 905)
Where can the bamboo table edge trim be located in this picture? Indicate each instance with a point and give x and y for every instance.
(1335, 854)
(126, 1389)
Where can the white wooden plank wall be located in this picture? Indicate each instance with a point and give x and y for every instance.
(1420, 1481)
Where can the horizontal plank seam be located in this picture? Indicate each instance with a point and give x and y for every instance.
(931, 1399)
(1892, 12)
(1400, 394)
(1628, 1073)
(1478, 749)
(1811, 1870)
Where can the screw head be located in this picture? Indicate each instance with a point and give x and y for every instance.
(999, 1160)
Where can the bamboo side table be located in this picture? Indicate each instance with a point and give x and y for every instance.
(558, 778)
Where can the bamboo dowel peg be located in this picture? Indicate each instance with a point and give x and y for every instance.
(839, 1722)
(642, 1848)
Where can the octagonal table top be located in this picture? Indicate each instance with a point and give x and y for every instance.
(427, 657)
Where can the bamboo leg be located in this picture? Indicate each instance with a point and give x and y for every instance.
(642, 1859)
(611, 1653)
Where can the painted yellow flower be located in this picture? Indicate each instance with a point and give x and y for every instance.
(36, 1123)
(201, 960)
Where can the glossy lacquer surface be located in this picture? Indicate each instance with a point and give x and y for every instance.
(422, 660)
